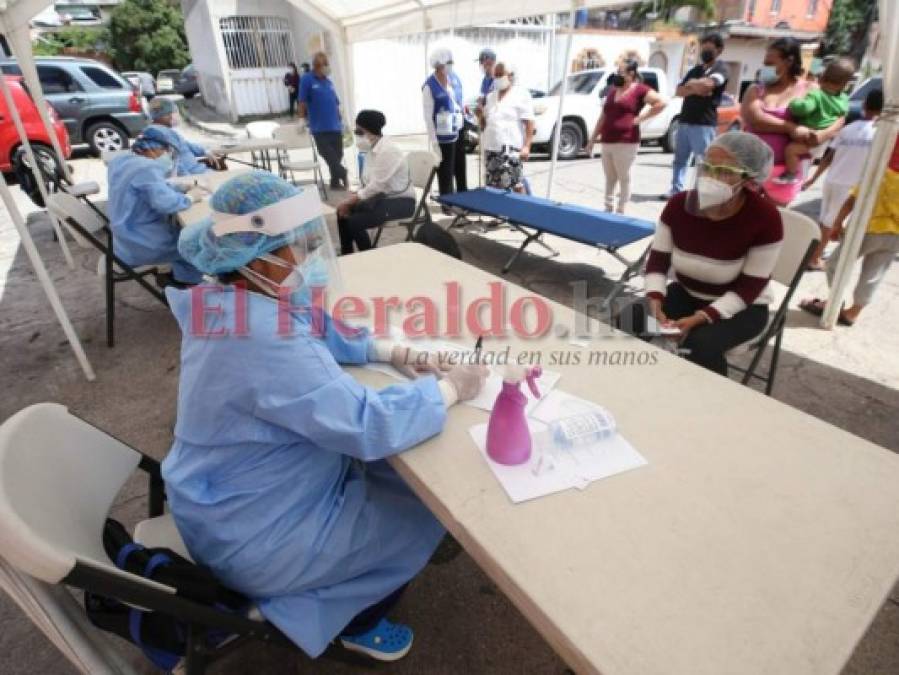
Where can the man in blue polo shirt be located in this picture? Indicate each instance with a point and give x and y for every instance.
(319, 105)
(487, 60)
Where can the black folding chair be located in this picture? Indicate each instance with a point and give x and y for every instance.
(422, 171)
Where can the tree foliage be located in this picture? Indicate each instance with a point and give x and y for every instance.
(667, 8)
(848, 27)
(79, 38)
(147, 35)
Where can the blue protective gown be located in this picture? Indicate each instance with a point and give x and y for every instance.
(140, 207)
(276, 478)
(186, 163)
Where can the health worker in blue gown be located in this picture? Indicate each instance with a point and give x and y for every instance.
(277, 478)
(142, 206)
(190, 158)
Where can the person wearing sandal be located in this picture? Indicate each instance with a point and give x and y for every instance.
(879, 247)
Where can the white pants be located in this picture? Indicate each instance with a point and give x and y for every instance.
(833, 196)
(617, 159)
(877, 254)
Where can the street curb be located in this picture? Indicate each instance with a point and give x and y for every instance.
(197, 124)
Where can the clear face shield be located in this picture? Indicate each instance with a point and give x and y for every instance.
(305, 265)
(715, 188)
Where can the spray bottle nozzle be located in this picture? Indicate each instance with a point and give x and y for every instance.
(532, 375)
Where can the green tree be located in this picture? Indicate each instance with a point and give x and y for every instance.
(147, 35)
(666, 8)
(79, 38)
(848, 28)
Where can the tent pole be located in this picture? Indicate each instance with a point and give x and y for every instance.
(557, 129)
(44, 278)
(19, 43)
(29, 152)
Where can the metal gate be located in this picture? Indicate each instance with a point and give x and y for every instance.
(258, 49)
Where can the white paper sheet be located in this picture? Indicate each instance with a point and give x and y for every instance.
(553, 470)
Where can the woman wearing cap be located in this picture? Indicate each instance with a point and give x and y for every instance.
(386, 193)
(141, 205)
(443, 112)
(721, 240)
(276, 478)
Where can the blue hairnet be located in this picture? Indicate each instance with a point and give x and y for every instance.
(152, 138)
(243, 194)
(160, 107)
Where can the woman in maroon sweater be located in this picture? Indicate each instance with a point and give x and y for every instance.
(721, 242)
(618, 128)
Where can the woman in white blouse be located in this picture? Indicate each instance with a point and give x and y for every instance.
(508, 123)
(386, 193)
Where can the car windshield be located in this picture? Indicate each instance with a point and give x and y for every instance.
(580, 83)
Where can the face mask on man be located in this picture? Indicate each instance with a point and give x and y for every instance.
(363, 143)
(707, 55)
(166, 162)
(448, 68)
(768, 75)
(713, 192)
(326, 69)
(502, 83)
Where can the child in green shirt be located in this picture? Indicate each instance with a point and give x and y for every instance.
(817, 110)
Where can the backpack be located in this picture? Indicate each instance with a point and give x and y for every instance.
(161, 637)
(432, 235)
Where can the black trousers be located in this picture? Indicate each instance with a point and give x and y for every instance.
(353, 228)
(291, 102)
(460, 165)
(447, 168)
(330, 146)
(707, 344)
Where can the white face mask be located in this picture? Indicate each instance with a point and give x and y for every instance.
(503, 83)
(448, 69)
(713, 192)
(363, 143)
(326, 70)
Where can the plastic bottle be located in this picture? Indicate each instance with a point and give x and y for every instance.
(508, 436)
(581, 429)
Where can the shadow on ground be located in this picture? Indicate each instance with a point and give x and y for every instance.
(462, 622)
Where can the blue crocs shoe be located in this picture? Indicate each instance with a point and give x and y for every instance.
(385, 642)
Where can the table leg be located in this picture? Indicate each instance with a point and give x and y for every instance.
(631, 270)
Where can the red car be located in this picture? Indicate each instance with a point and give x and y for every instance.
(34, 127)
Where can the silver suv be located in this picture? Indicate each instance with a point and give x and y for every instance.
(99, 107)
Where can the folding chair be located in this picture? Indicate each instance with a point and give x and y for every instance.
(422, 171)
(262, 129)
(295, 137)
(59, 478)
(85, 226)
(801, 236)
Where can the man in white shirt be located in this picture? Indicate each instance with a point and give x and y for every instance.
(386, 193)
(508, 123)
(846, 159)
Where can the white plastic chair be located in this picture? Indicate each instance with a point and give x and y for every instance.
(86, 226)
(296, 137)
(59, 477)
(801, 236)
(264, 130)
(422, 171)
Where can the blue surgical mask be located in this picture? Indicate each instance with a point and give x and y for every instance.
(768, 75)
(166, 162)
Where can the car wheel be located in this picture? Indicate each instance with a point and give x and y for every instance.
(669, 140)
(571, 140)
(106, 137)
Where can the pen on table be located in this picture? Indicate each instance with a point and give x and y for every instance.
(477, 348)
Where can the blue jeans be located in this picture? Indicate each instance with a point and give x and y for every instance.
(692, 140)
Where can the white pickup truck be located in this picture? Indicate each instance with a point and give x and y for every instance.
(583, 104)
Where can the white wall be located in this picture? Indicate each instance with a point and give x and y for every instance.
(206, 53)
(749, 54)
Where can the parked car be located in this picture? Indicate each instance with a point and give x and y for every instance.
(76, 15)
(99, 106)
(729, 114)
(166, 81)
(143, 81)
(34, 127)
(583, 105)
(49, 18)
(857, 97)
(187, 84)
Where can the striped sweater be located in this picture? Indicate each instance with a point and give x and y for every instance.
(726, 263)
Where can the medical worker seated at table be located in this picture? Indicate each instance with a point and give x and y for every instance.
(142, 206)
(190, 158)
(721, 240)
(277, 479)
(386, 193)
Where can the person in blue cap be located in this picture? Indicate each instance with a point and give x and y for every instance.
(487, 61)
(190, 158)
(142, 205)
(276, 479)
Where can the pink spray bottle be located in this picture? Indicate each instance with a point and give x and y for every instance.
(508, 436)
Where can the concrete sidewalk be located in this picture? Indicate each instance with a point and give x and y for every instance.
(847, 377)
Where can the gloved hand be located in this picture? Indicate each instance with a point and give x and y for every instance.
(414, 363)
(467, 380)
